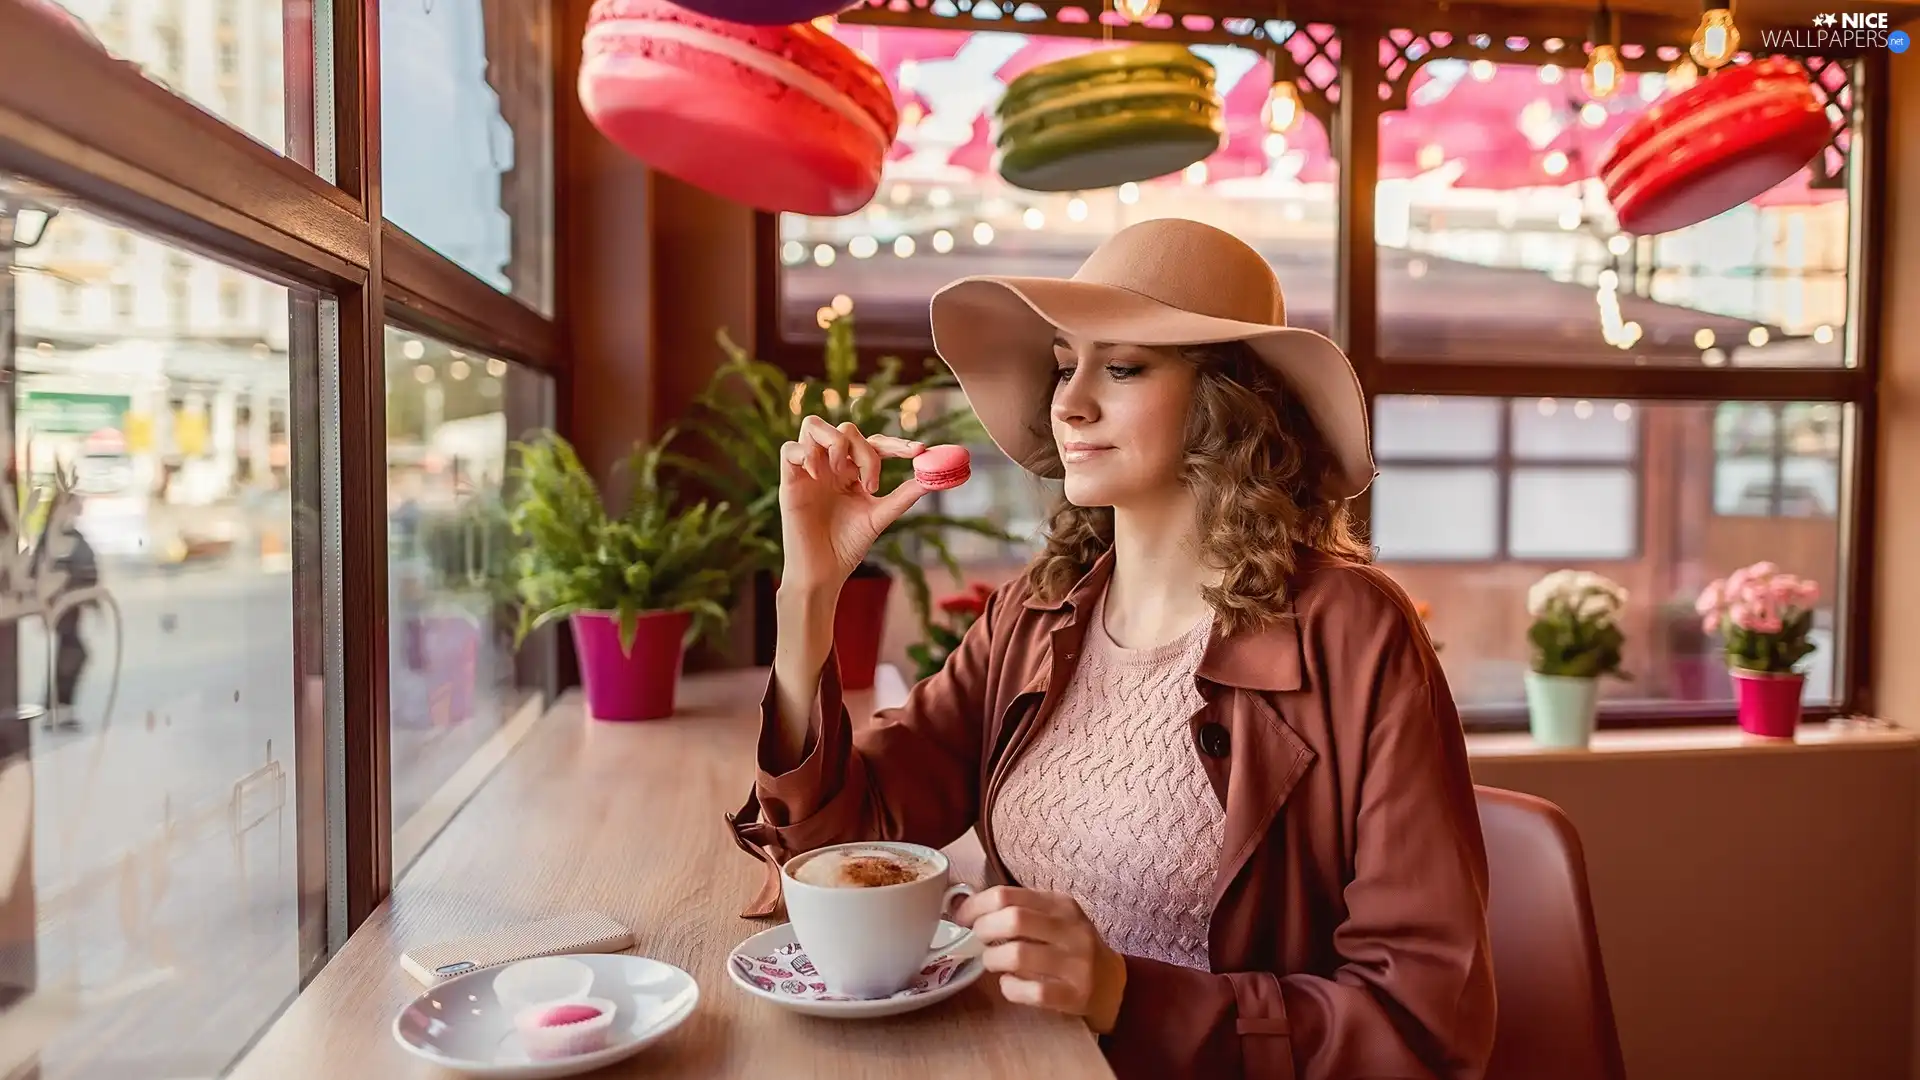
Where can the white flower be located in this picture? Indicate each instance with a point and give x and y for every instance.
(1588, 596)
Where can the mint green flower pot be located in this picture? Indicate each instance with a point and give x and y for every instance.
(1561, 709)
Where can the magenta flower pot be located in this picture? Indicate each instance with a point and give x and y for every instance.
(1769, 702)
(635, 685)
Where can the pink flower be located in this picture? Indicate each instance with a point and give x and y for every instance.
(1710, 624)
(1736, 581)
(1809, 594)
(1762, 570)
(1756, 618)
(1710, 599)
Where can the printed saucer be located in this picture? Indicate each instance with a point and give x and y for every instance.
(772, 966)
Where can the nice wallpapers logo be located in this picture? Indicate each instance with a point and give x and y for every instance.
(1847, 30)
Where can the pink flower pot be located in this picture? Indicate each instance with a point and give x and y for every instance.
(1769, 702)
(636, 685)
(859, 622)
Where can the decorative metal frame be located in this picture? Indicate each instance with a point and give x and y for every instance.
(1314, 47)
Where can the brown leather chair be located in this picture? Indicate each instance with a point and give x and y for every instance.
(1556, 1019)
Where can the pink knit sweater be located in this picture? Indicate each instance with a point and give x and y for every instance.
(1109, 803)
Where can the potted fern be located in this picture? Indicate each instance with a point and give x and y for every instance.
(751, 408)
(637, 583)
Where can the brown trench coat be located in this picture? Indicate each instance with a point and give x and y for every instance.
(1348, 938)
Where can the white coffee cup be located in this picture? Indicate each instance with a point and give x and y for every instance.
(870, 942)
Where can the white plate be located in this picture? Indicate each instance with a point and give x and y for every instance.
(461, 1025)
(771, 942)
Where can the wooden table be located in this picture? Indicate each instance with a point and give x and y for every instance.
(627, 819)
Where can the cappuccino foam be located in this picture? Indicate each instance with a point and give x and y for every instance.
(862, 868)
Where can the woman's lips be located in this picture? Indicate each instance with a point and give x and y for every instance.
(1075, 452)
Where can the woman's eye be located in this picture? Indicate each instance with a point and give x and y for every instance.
(1062, 374)
(1124, 371)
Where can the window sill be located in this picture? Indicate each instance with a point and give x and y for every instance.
(1856, 733)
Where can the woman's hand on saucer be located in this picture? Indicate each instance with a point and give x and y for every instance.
(1048, 953)
(831, 509)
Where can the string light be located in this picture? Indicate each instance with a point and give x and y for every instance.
(1283, 107)
(1137, 10)
(1602, 77)
(1682, 75)
(1715, 42)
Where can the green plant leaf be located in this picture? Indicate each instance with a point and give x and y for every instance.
(745, 414)
(657, 552)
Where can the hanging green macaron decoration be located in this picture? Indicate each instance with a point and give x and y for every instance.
(1107, 118)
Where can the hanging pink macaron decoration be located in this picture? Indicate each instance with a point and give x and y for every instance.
(767, 12)
(781, 118)
(1714, 146)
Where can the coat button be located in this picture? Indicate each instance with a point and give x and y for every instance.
(1214, 741)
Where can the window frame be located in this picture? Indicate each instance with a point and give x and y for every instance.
(1503, 462)
(81, 121)
(1354, 132)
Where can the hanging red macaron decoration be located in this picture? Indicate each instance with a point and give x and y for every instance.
(781, 118)
(1714, 145)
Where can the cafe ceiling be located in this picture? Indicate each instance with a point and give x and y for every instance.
(1641, 21)
(1768, 12)
(1491, 13)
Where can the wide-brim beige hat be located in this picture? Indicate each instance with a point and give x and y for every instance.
(1163, 282)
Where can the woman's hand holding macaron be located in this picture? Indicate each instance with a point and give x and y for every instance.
(831, 512)
(831, 508)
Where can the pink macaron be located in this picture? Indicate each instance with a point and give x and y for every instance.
(565, 1029)
(941, 467)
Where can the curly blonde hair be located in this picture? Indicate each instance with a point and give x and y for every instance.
(1255, 463)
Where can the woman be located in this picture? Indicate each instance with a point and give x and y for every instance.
(1208, 750)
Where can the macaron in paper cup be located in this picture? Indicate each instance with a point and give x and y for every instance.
(565, 1029)
(941, 467)
(544, 980)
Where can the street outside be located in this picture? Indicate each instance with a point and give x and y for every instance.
(164, 843)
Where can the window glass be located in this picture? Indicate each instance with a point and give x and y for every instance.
(249, 62)
(1497, 241)
(943, 212)
(1437, 512)
(1566, 513)
(1575, 430)
(456, 678)
(166, 697)
(1652, 520)
(1482, 478)
(466, 136)
(1777, 460)
(1436, 427)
